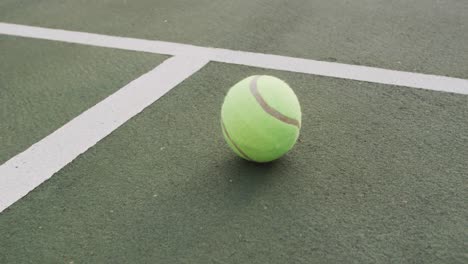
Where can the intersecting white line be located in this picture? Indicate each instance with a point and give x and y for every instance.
(330, 69)
(27, 170)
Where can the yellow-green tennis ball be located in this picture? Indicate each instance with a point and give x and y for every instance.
(261, 118)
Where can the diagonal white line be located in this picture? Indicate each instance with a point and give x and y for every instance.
(27, 170)
(331, 69)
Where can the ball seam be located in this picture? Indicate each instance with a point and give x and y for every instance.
(267, 108)
(245, 156)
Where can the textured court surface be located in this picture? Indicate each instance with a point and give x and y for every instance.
(426, 36)
(44, 84)
(378, 176)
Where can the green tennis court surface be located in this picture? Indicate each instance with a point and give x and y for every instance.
(44, 84)
(422, 36)
(379, 174)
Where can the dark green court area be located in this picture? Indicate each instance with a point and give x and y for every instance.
(45, 84)
(427, 36)
(378, 176)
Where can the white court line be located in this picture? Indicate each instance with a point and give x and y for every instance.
(27, 170)
(331, 69)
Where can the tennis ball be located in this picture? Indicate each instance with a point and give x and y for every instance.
(261, 118)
